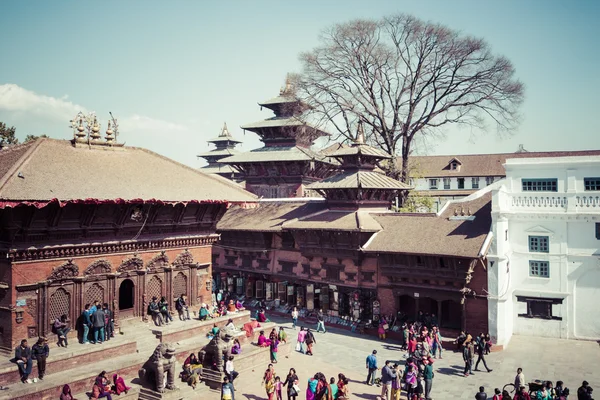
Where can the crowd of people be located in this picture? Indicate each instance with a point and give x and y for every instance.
(318, 387)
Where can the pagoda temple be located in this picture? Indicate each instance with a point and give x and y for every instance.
(353, 194)
(225, 147)
(285, 165)
(359, 185)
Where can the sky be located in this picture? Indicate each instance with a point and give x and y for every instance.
(173, 72)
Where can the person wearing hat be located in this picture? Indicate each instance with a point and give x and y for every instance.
(428, 375)
(372, 367)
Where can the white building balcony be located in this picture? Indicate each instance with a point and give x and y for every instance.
(551, 202)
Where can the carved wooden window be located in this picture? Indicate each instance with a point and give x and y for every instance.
(60, 304)
(93, 293)
(287, 267)
(230, 260)
(154, 288)
(247, 262)
(260, 289)
(306, 269)
(180, 285)
(287, 240)
(263, 263)
(369, 276)
(332, 272)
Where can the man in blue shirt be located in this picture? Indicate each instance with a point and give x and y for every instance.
(372, 367)
(86, 323)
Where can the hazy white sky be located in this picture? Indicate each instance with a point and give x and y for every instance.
(173, 72)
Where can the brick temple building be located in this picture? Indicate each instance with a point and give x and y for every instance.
(88, 219)
(349, 255)
(286, 164)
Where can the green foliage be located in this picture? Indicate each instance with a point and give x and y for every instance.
(30, 137)
(7, 135)
(415, 203)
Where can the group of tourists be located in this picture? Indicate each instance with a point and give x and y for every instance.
(97, 324)
(416, 379)
(275, 338)
(318, 387)
(220, 309)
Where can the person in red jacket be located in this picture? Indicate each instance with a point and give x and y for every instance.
(522, 394)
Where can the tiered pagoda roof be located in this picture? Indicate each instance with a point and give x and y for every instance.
(359, 182)
(285, 164)
(287, 136)
(225, 147)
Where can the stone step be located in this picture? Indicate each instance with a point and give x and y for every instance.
(132, 394)
(62, 359)
(140, 340)
(80, 379)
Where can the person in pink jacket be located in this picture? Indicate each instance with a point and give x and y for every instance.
(301, 338)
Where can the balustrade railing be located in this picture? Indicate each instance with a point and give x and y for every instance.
(588, 201)
(572, 202)
(539, 201)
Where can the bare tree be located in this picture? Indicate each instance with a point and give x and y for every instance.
(405, 79)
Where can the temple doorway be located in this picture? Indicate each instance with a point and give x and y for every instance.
(126, 297)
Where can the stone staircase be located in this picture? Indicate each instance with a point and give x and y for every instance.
(79, 364)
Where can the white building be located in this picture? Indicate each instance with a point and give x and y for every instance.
(544, 260)
(444, 178)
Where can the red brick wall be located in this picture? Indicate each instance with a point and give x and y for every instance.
(476, 304)
(30, 272)
(387, 300)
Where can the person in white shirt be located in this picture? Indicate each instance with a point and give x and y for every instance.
(294, 317)
(519, 379)
(229, 370)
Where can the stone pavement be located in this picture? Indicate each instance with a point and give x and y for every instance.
(340, 350)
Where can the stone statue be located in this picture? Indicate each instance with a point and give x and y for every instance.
(159, 370)
(217, 350)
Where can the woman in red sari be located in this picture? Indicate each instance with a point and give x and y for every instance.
(120, 386)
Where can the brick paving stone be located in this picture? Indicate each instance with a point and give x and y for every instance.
(340, 350)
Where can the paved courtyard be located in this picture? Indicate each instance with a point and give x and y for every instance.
(342, 351)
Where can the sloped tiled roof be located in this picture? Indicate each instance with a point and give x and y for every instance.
(288, 153)
(10, 155)
(478, 164)
(358, 179)
(268, 216)
(436, 235)
(222, 152)
(360, 149)
(55, 169)
(275, 122)
(218, 169)
(279, 100)
(336, 220)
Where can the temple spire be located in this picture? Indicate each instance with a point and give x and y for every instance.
(360, 134)
(225, 131)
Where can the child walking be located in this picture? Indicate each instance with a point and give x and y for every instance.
(278, 388)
